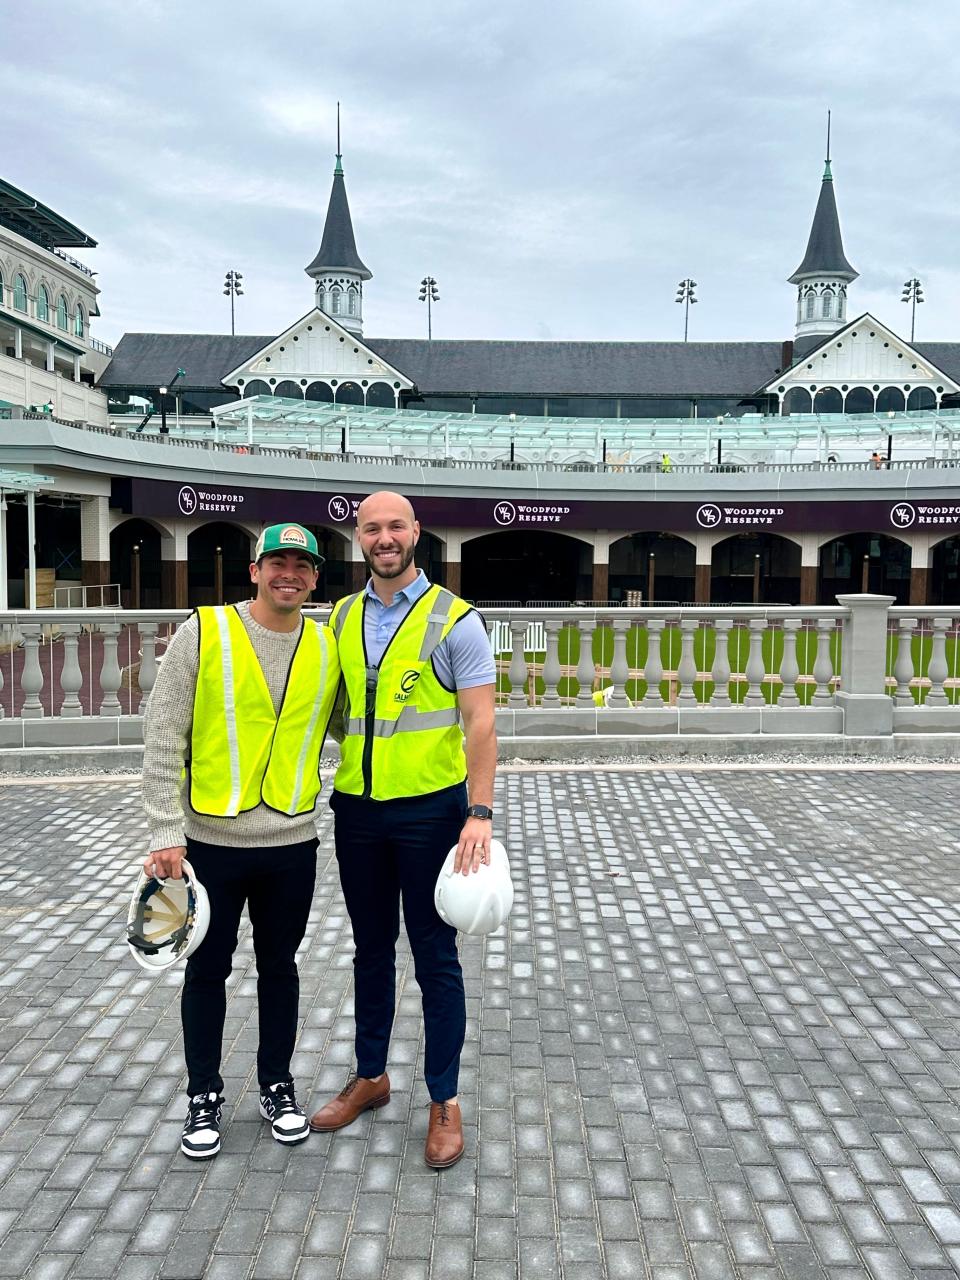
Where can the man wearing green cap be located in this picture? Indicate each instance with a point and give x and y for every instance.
(232, 738)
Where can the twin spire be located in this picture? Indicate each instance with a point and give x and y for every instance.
(823, 275)
(338, 269)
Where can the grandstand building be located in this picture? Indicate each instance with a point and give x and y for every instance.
(542, 471)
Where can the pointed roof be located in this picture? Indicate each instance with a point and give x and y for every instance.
(338, 249)
(825, 256)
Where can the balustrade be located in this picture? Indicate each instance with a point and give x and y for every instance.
(72, 665)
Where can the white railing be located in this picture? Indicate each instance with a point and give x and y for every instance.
(859, 668)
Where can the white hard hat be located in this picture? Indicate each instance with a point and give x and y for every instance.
(480, 901)
(167, 919)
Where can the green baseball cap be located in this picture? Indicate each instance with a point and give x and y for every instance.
(288, 537)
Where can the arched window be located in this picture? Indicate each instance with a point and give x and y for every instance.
(322, 299)
(811, 303)
(841, 304)
(43, 303)
(78, 321)
(352, 300)
(1, 289)
(62, 313)
(827, 305)
(334, 302)
(256, 388)
(19, 293)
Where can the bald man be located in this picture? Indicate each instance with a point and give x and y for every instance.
(412, 783)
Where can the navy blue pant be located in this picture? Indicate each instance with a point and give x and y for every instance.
(277, 886)
(388, 850)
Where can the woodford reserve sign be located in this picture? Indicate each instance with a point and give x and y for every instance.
(208, 502)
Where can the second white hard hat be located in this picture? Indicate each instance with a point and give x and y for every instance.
(480, 901)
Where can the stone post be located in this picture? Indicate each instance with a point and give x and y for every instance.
(867, 709)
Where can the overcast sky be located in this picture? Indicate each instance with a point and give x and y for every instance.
(557, 165)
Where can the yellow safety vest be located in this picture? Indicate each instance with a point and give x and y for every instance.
(243, 752)
(402, 734)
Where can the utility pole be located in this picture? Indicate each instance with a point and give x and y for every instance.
(685, 295)
(429, 295)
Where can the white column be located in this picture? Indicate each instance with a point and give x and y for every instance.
(32, 548)
(250, 422)
(51, 356)
(18, 342)
(4, 597)
(76, 368)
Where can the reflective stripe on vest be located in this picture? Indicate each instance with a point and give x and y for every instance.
(402, 727)
(271, 757)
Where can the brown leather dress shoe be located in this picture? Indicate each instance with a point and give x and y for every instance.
(444, 1135)
(358, 1096)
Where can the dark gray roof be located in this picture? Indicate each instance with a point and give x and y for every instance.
(338, 248)
(582, 368)
(944, 355)
(152, 359)
(825, 254)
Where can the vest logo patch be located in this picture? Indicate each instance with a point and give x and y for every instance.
(407, 683)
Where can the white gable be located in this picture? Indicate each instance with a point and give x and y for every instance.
(317, 348)
(868, 354)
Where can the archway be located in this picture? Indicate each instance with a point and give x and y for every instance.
(797, 400)
(333, 580)
(136, 564)
(670, 561)
(859, 562)
(921, 398)
(380, 396)
(288, 390)
(256, 388)
(429, 555)
(320, 392)
(828, 400)
(943, 583)
(526, 565)
(755, 568)
(890, 400)
(859, 400)
(218, 564)
(349, 393)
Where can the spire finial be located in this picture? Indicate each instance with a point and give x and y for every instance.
(826, 171)
(339, 166)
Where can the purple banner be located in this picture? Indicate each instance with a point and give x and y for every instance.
(338, 510)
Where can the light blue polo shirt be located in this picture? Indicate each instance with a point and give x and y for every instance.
(463, 660)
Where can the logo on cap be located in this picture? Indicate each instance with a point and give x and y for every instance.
(293, 533)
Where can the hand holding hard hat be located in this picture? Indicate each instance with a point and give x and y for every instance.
(479, 902)
(167, 919)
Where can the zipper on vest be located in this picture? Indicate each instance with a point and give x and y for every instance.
(369, 725)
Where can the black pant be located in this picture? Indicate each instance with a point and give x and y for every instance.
(388, 849)
(277, 885)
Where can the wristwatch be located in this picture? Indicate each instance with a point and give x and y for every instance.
(480, 811)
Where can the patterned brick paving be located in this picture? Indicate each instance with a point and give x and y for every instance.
(719, 1038)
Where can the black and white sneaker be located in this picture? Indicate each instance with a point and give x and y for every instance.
(278, 1104)
(201, 1129)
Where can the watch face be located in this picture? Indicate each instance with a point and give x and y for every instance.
(479, 811)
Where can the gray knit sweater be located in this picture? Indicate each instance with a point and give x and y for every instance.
(166, 730)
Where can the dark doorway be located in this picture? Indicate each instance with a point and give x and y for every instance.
(760, 568)
(218, 565)
(856, 562)
(333, 580)
(429, 556)
(944, 583)
(526, 566)
(135, 563)
(670, 562)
